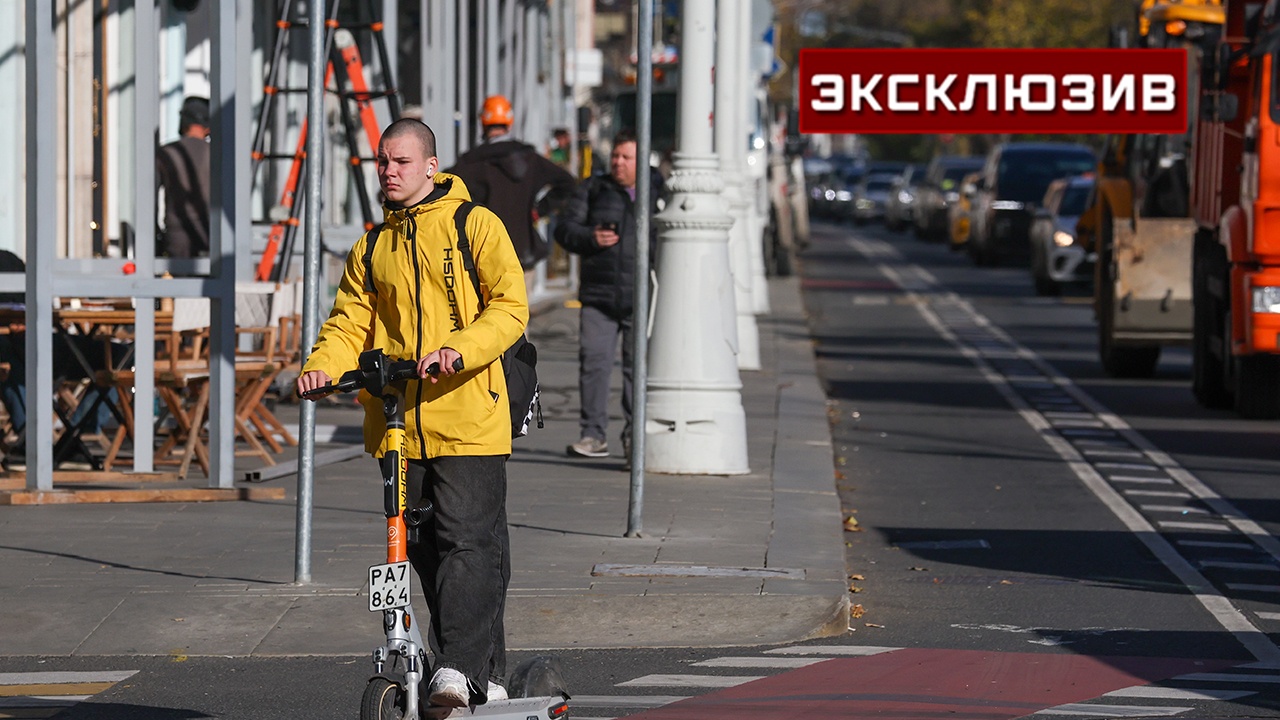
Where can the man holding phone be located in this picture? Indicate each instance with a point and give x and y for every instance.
(599, 224)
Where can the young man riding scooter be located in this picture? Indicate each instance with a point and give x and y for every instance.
(412, 297)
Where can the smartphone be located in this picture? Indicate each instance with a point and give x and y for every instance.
(610, 226)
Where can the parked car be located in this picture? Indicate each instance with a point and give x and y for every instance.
(1057, 257)
(960, 212)
(939, 190)
(817, 172)
(902, 198)
(1014, 180)
(870, 196)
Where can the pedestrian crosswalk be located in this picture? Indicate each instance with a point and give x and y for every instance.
(45, 694)
(725, 686)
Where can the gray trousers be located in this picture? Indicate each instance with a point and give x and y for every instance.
(598, 344)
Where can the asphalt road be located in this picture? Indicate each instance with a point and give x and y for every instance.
(1030, 537)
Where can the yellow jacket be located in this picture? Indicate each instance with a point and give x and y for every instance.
(425, 300)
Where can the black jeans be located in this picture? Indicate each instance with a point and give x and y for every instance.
(464, 562)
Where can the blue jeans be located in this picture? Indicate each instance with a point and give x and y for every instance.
(464, 563)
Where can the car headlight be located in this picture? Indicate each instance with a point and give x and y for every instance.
(865, 204)
(1266, 299)
(1063, 239)
(1006, 205)
(905, 197)
(952, 196)
(830, 195)
(844, 195)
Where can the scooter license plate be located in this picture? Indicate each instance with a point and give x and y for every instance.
(389, 586)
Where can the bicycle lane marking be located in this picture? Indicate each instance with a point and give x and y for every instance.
(987, 341)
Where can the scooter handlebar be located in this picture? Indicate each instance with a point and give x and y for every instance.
(357, 379)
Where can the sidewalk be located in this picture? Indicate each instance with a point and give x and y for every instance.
(751, 559)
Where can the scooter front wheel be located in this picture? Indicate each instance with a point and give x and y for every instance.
(383, 700)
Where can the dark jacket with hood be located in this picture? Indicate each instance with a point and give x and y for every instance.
(506, 177)
(607, 276)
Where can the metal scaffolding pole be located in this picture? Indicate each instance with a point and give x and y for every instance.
(146, 92)
(310, 284)
(640, 319)
(41, 236)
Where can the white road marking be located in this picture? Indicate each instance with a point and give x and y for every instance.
(1216, 544)
(628, 701)
(834, 650)
(30, 702)
(1125, 466)
(675, 680)
(54, 678)
(1158, 493)
(1231, 565)
(1179, 509)
(1227, 615)
(1230, 677)
(1152, 692)
(1268, 615)
(760, 662)
(1253, 587)
(1103, 711)
(1179, 525)
(1113, 453)
(1141, 480)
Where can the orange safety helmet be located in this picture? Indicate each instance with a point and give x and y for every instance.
(496, 111)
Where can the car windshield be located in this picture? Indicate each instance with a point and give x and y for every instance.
(953, 176)
(1073, 201)
(1025, 175)
(877, 185)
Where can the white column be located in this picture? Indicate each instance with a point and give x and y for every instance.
(730, 136)
(757, 163)
(695, 423)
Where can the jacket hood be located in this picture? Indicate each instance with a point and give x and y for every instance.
(510, 156)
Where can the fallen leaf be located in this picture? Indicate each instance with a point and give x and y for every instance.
(855, 589)
(873, 625)
(918, 569)
(857, 611)
(937, 581)
(1005, 582)
(856, 577)
(840, 475)
(851, 524)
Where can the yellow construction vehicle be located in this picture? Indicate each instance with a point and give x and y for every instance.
(1140, 223)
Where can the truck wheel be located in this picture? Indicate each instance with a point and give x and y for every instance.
(1208, 346)
(1258, 387)
(1118, 361)
(1045, 285)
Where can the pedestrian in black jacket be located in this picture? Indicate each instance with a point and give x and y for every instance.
(506, 176)
(599, 223)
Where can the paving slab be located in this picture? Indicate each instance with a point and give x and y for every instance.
(217, 578)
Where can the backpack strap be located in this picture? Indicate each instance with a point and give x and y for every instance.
(464, 247)
(370, 240)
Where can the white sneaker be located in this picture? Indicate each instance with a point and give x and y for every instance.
(589, 447)
(497, 692)
(448, 689)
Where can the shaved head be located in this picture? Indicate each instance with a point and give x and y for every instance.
(412, 127)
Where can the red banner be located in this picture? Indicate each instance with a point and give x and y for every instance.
(993, 91)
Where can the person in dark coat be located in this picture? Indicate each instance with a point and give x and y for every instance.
(599, 224)
(182, 171)
(508, 177)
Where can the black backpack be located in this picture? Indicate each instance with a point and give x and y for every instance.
(519, 362)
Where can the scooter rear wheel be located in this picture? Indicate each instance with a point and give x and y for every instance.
(383, 700)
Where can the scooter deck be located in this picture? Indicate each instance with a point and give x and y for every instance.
(542, 708)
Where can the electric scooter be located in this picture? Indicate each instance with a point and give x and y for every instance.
(399, 664)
